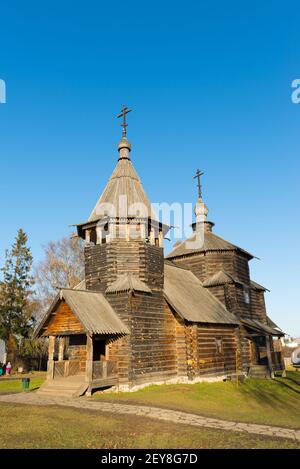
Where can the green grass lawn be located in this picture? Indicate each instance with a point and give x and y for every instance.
(274, 402)
(59, 427)
(36, 380)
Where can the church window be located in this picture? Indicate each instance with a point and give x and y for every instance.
(247, 295)
(219, 345)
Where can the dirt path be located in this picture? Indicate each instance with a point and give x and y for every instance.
(153, 413)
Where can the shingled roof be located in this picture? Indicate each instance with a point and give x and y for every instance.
(91, 308)
(257, 286)
(210, 242)
(220, 278)
(186, 295)
(128, 282)
(258, 326)
(272, 324)
(124, 182)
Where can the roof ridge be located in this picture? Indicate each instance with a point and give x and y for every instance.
(80, 290)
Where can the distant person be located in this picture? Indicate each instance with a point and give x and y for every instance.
(1, 370)
(8, 368)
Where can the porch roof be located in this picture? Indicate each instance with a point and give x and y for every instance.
(258, 326)
(92, 310)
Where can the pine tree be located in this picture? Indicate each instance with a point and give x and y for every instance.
(15, 290)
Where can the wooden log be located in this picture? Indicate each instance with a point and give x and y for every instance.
(51, 349)
(89, 359)
(61, 348)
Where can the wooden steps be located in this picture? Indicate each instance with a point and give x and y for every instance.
(73, 386)
(259, 372)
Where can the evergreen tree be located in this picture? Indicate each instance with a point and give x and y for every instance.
(15, 290)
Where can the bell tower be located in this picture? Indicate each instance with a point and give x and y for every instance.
(124, 260)
(122, 234)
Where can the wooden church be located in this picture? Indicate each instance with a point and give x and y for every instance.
(139, 317)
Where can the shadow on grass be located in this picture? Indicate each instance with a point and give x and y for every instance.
(293, 380)
(287, 385)
(275, 396)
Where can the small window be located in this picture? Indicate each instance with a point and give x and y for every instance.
(76, 340)
(219, 345)
(246, 295)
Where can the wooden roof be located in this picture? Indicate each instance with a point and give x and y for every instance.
(223, 278)
(186, 295)
(220, 278)
(128, 282)
(81, 286)
(124, 182)
(210, 242)
(258, 326)
(271, 323)
(257, 286)
(92, 310)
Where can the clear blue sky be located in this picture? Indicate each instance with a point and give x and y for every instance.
(210, 83)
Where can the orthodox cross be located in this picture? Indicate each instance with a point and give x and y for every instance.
(124, 111)
(198, 176)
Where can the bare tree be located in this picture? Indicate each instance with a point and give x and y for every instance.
(62, 267)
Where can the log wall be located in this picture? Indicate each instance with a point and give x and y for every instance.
(120, 349)
(161, 345)
(196, 348)
(105, 262)
(258, 306)
(204, 265)
(77, 353)
(149, 352)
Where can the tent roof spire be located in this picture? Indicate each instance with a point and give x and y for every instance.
(201, 209)
(124, 194)
(124, 146)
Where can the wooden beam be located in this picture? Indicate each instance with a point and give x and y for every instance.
(161, 239)
(99, 234)
(89, 358)
(61, 349)
(88, 236)
(152, 237)
(143, 231)
(51, 349)
(269, 356)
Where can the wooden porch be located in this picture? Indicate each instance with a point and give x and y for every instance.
(103, 371)
(96, 374)
(80, 325)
